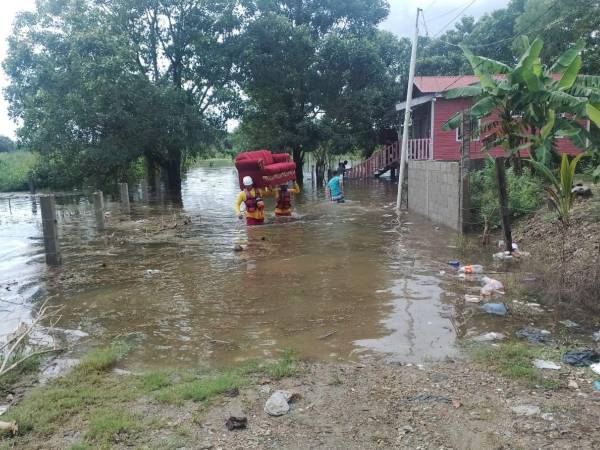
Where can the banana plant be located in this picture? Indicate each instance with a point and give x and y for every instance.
(560, 190)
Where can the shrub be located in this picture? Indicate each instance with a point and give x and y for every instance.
(15, 170)
(525, 194)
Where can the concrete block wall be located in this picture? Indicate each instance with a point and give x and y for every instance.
(434, 190)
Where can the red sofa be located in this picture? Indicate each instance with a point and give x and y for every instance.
(265, 168)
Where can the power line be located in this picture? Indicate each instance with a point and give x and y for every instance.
(441, 16)
(455, 18)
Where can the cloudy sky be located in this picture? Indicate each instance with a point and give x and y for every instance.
(438, 14)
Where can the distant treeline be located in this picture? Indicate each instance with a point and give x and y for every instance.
(100, 85)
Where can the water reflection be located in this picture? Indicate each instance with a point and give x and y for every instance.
(335, 282)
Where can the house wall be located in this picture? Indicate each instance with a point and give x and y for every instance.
(434, 190)
(447, 148)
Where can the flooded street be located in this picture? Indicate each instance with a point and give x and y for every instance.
(337, 282)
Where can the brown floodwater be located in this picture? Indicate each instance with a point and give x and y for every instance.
(335, 282)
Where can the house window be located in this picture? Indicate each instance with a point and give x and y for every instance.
(475, 125)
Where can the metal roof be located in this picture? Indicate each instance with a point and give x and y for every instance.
(433, 85)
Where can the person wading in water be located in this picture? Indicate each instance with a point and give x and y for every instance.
(253, 199)
(283, 195)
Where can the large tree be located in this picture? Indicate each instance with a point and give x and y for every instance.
(283, 46)
(97, 83)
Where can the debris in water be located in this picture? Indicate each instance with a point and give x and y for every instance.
(543, 364)
(596, 385)
(217, 341)
(581, 358)
(569, 323)
(329, 333)
(491, 336)
(474, 268)
(498, 309)
(472, 298)
(454, 263)
(526, 410)
(595, 368)
(236, 423)
(534, 335)
(238, 248)
(152, 271)
(491, 286)
(596, 336)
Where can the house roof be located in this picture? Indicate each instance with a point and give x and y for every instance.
(433, 85)
(439, 84)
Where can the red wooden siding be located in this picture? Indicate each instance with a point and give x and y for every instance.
(447, 148)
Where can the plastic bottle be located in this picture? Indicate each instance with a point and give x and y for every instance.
(474, 268)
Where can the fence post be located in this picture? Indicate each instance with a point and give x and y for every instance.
(124, 189)
(50, 230)
(99, 210)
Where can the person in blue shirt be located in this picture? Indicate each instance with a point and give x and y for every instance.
(335, 188)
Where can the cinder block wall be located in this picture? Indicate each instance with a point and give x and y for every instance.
(434, 191)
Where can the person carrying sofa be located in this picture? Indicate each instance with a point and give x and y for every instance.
(283, 196)
(253, 200)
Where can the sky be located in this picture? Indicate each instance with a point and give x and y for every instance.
(439, 16)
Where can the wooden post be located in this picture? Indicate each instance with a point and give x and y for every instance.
(464, 198)
(99, 210)
(124, 189)
(503, 198)
(50, 230)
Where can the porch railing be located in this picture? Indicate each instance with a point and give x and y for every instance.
(418, 149)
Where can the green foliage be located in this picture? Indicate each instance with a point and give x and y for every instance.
(7, 144)
(16, 169)
(560, 189)
(525, 194)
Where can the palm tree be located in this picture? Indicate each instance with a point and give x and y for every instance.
(529, 106)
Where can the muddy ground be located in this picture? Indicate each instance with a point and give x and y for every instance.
(381, 405)
(373, 404)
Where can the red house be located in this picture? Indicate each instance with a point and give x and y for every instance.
(431, 110)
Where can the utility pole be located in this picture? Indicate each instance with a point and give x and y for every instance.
(407, 110)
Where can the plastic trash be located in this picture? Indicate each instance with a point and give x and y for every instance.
(581, 358)
(543, 364)
(501, 245)
(534, 335)
(491, 286)
(568, 323)
(491, 336)
(454, 263)
(474, 268)
(502, 256)
(526, 410)
(498, 309)
(472, 298)
(596, 336)
(595, 368)
(597, 385)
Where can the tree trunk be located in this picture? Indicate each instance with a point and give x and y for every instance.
(174, 172)
(503, 199)
(320, 172)
(299, 160)
(151, 173)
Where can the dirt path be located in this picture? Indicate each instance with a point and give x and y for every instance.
(382, 405)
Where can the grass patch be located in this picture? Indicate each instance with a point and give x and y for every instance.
(90, 393)
(514, 360)
(15, 170)
(102, 359)
(106, 424)
(28, 367)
